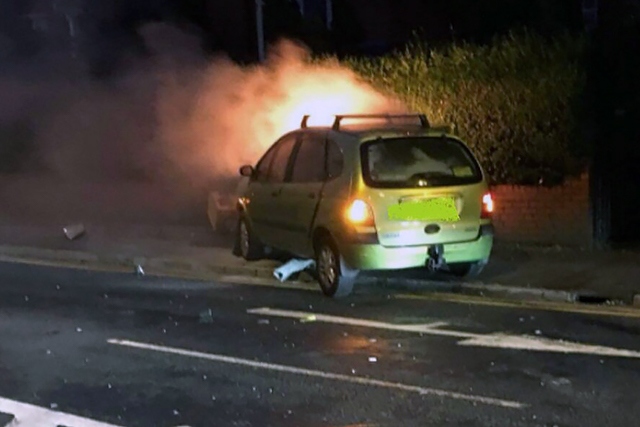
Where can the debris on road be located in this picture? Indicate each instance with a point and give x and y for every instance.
(291, 267)
(263, 322)
(206, 316)
(560, 382)
(74, 231)
(139, 270)
(373, 359)
(309, 318)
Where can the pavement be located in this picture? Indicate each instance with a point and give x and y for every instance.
(164, 228)
(515, 272)
(83, 348)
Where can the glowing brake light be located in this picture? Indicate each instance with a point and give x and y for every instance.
(487, 205)
(360, 213)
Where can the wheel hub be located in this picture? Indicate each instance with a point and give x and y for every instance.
(327, 267)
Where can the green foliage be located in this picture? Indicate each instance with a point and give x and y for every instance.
(515, 101)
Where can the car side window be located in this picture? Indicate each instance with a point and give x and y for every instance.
(284, 148)
(262, 169)
(335, 160)
(309, 164)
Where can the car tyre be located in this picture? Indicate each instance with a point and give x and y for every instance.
(467, 270)
(335, 278)
(247, 244)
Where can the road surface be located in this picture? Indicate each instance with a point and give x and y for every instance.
(82, 349)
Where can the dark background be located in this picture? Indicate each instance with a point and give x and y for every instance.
(106, 34)
(107, 28)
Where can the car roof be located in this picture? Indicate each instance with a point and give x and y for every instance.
(363, 134)
(363, 131)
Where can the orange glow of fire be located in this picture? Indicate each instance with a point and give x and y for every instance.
(234, 113)
(322, 95)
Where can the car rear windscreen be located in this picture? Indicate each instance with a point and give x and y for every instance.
(409, 162)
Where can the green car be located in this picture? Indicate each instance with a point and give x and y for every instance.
(371, 192)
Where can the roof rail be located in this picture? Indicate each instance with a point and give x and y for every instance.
(422, 117)
(336, 124)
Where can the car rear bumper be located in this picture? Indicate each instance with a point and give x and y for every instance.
(378, 257)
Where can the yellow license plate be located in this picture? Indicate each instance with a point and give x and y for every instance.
(438, 209)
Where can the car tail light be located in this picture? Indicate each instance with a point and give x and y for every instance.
(359, 213)
(487, 206)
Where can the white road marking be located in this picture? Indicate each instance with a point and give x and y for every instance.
(321, 374)
(325, 318)
(495, 340)
(28, 415)
(545, 344)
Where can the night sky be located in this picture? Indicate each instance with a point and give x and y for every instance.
(357, 23)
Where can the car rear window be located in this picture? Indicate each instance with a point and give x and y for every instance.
(418, 162)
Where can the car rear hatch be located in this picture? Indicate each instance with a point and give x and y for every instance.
(422, 190)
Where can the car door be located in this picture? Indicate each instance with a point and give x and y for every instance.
(265, 190)
(301, 193)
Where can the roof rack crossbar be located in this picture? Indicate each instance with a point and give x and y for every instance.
(336, 124)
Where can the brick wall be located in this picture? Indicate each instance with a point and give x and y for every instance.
(558, 215)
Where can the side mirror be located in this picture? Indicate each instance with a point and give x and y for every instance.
(246, 170)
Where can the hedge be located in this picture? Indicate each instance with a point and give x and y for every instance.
(516, 101)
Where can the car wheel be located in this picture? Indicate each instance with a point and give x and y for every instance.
(336, 279)
(467, 270)
(247, 245)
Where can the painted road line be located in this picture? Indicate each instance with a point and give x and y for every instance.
(545, 344)
(563, 307)
(35, 416)
(426, 391)
(269, 283)
(613, 311)
(325, 318)
(231, 279)
(494, 340)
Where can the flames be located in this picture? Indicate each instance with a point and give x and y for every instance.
(323, 93)
(318, 90)
(236, 113)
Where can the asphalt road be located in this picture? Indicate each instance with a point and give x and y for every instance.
(122, 350)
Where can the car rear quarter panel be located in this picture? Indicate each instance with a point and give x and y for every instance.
(337, 192)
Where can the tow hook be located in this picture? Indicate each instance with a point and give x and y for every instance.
(436, 258)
